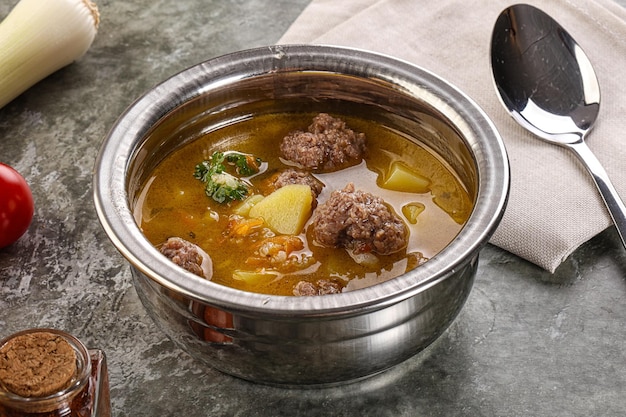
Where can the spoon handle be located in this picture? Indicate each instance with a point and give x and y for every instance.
(609, 194)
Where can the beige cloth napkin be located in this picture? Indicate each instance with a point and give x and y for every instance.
(554, 206)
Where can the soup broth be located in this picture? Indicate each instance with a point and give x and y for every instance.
(172, 202)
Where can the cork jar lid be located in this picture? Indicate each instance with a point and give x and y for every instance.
(37, 364)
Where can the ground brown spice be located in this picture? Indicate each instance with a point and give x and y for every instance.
(37, 364)
(51, 374)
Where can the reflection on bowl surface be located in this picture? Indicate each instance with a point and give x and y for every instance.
(380, 318)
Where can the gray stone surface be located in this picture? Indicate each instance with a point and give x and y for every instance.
(527, 342)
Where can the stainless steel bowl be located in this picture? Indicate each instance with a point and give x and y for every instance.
(302, 340)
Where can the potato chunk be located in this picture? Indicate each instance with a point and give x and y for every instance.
(252, 277)
(412, 210)
(402, 178)
(244, 208)
(286, 210)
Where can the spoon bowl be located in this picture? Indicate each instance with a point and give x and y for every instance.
(547, 83)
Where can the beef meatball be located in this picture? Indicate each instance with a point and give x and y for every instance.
(358, 221)
(321, 287)
(293, 176)
(328, 144)
(188, 256)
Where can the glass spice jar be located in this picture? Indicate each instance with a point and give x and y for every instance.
(50, 373)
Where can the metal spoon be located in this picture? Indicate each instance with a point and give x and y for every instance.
(548, 85)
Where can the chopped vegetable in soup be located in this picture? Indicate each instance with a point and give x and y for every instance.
(301, 204)
(221, 185)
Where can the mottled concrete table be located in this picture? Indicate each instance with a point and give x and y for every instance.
(527, 342)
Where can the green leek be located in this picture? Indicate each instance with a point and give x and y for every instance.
(39, 37)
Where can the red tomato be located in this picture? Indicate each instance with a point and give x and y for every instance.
(16, 205)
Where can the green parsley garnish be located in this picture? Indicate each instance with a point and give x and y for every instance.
(246, 164)
(220, 185)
